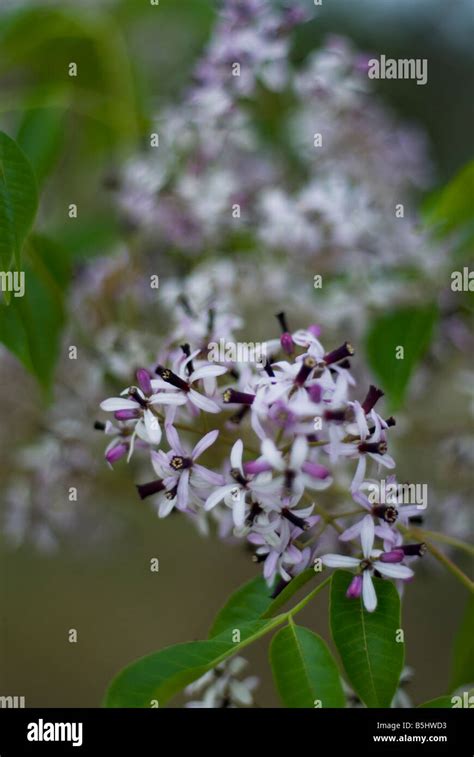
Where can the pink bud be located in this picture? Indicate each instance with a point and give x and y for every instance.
(287, 343)
(314, 329)
(143, 378)
(395, 555)
(315, 471)
(126, 415)
(116, 452)
(355, 588)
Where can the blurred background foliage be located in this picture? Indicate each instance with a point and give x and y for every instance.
(133, 58)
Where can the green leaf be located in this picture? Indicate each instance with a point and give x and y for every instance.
(452, 701)
(18, 201)
(41, 136)
(43, 41)
(161, 675)
(410, 328)
(371, 656)
(249, 602)
(463, 656)
(453, 206)
(304, 670)
(444, 702)
(31, 325)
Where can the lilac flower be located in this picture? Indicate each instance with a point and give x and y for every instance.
(275, 547)
(183, 381)
(299, 472)
(181, 479)
(387, 514)
(236, 494)
(137, 407)
(383, 563)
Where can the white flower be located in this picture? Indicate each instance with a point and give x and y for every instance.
(362, 583)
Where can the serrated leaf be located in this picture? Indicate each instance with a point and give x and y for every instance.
(463, 655)
(161, 675)
(249, 602)
(409, 328)
(305, 673)
(366, 642)
(18, 201)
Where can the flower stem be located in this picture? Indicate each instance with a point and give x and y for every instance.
(446, 539)
(441, 557)
(308, 597)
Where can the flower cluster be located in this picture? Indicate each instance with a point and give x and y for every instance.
(325, 188)
(284, 427)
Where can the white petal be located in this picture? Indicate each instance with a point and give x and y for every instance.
(238, 510)
(298, 454)
(218, 495)
(207, 370)
(272, 455)
(352, 532)
(204, 443)
(393, 570)
(236, 455)
(359, 474)
(182, 494)
(340, 561)
(166, 505)
(117, 403)
(202, 402)
(167, 398)
(173, 440)
(367, 534)
(361, 421)
(152, 426)
(160, 463)
(368, 592)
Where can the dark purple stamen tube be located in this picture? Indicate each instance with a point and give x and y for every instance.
(283, 322)
(231, 397)
(152, 487)
(172, 378)
(345, 350)
(379, 448)
(373, 396)
(305, 370)
(414, 550)
(295, 519)
(135, 394)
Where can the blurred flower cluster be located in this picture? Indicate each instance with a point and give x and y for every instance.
(323, 186)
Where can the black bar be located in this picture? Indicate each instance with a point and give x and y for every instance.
(318, 731)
